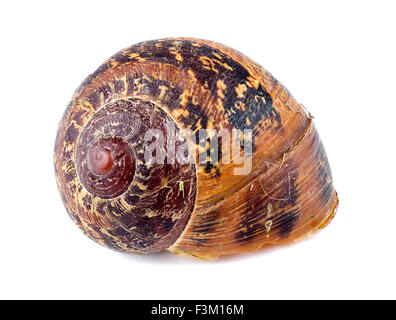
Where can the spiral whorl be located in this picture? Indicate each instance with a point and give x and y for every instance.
(105, 158)
(143, 204)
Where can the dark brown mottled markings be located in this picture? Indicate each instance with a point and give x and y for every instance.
(258, 102)
(324, 173)
(251, 225)
(78, 117)
(207, 225)
(146, 203)
(283, 201)
(201, 84)
(286, 221)
(71, 134)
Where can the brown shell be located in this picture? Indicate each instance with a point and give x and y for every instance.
(200, 84)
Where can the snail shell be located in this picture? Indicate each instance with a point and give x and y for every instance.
(275, 188)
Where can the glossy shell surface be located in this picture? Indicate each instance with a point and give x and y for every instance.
(202, 209)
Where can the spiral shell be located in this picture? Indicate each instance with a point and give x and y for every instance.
(276, 188)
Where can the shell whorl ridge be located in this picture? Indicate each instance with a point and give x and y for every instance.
(188, 145)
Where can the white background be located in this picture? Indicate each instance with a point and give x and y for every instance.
(336, 57)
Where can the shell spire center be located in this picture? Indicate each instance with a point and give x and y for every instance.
(100, 159)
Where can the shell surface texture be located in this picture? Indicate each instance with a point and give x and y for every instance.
(187, 145)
